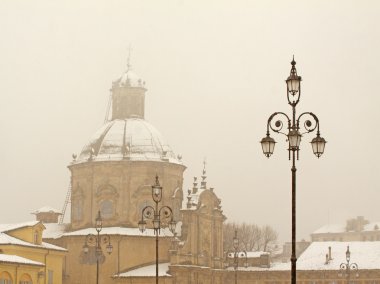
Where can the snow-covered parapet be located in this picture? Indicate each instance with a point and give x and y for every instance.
(46, 209)
(47, 214)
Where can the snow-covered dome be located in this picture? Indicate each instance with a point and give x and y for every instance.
(129, 79)
(127, 139)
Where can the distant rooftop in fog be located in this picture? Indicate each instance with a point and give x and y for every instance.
(357, 229)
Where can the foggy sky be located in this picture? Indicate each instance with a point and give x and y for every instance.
(215, 71)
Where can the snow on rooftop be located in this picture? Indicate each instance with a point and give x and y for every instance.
(9, 240)
(127, 139)
(53, 230)
(50, 246)
(47, 209)
(365, 254)
(147, 271)
(331, 228)
(341, 228)
(250, 254)
(129, 79)
(256, 253)
(194, 199)
(18, 259)
(374, 226)
(120, 231)
(11, 227)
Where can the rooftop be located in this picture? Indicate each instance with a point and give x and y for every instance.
(8, 258)
(55, 231)
(147, 271)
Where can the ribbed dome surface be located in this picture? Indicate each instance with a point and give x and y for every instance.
(132, 138)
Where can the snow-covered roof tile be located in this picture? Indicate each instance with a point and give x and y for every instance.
(374, 226)
(120, 231)
(46, 209)
(6, 239)
(133, 139)
(331, 228)
(340, 228)
(9, 258)
(256, 253)
(147, 271)
(50, 246)
(365, 254)
(11, 227)
(53, 230)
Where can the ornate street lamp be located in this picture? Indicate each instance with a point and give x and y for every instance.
(347, 268)
(307, 122)
(236, 255)
(96, 241)
(156, 214)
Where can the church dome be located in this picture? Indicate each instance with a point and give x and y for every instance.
(127, 139)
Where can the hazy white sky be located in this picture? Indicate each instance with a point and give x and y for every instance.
(215, 71)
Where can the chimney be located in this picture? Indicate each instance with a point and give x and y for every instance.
(327, 259)
(330, 258)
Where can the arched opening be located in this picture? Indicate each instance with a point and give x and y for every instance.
(106, 209)
(26, 279)
(5, 278)
(77, 209)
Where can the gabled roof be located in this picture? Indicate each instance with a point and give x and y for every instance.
(11, 227)
(6, 239)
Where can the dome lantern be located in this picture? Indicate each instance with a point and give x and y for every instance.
(128, 96)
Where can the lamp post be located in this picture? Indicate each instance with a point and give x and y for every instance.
(346, 268)
(307, 122)
(96, 241)
(236, 254)
(156, 214)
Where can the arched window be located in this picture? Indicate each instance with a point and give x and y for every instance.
(35, 237)
(5, 278)
(26, 279)
(77, 210)
(106, 209)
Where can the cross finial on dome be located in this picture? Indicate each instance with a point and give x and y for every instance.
(129, 58)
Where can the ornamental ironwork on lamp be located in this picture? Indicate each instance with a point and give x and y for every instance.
(96, 241)
(347, 268)
(293, 128)
(159, 217)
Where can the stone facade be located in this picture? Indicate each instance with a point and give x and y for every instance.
(114, 174)
(120, 189)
